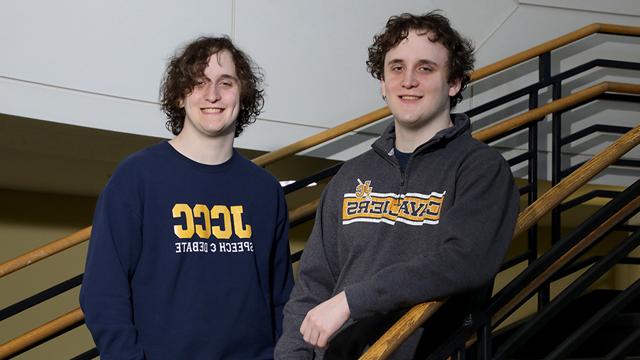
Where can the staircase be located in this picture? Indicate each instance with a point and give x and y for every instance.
(600, 339)
(575, 323)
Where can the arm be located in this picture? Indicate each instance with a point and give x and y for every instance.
(473, 236)
(105, 295)
(316, 281)
(282, 275)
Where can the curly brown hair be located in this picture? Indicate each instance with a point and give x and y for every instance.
(187, 67)
(438, 29)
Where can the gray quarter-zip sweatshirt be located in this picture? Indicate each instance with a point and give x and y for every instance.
(392, 239)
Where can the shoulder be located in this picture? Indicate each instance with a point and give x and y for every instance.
(142, 159)
(134, 168)
(351, 170)
(473, 150)
(481, 162)
(366, 159)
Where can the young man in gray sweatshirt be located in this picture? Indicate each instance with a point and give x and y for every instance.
(426, 214)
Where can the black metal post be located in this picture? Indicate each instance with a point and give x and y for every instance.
(556, 169)
(544, 66)
(545, 70)
(484, 342)
(532, 179)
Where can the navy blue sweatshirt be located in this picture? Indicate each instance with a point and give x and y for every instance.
(187, 261)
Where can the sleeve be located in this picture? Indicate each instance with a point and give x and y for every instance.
(105, 296)
(473, 236)
(315, 284)
(282, 275)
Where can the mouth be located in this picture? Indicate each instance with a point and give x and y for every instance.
(212, 110)
(409, 97)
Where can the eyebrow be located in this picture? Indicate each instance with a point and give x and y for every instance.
(229, 77)
(420, 62)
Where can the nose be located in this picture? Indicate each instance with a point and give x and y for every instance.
(212, 94)
(409, 80)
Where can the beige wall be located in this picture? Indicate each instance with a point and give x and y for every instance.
(29, 220)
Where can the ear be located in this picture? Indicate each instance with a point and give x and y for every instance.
(181, 103)
(455, 86)
(382, 90)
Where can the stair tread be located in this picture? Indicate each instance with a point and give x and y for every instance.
(598, 345)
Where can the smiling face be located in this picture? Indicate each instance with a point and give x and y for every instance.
(415, 83)
(212, 106)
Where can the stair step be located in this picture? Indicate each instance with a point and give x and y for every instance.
(600, 343)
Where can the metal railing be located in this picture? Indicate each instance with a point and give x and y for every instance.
(526, 221)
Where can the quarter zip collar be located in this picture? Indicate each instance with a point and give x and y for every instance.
(385, 144)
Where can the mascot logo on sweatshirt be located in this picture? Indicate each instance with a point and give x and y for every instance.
(364, 190)
(417, 209)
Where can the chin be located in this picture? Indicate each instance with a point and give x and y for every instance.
(406, 120)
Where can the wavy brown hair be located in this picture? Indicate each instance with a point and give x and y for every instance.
(438, 29)
(187, 67)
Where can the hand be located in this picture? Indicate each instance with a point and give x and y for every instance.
(324, 320)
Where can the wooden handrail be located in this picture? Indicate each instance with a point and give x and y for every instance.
(552, 45)
(45, 251)
(419, 313)
(576, 179)
(83, 235)
(526, 219)
(481, 73)
(354, 124)
(323, 136)
(303, 210)
(571, 254)
(482, 135)
(22, 342)
(37, 334)
(536, 114)
(401, 330)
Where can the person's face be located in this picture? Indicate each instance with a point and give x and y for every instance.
(213, 105)
(415, 81)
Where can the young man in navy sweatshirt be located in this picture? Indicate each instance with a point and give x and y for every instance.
(189, 257)
(426, 214)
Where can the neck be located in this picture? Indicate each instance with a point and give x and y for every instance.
(409, 138)
(203, 149)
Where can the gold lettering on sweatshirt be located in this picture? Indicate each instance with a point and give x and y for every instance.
(410, 208)
(220, 221)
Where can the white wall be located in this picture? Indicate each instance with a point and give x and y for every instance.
(531, 24)
(98, 63)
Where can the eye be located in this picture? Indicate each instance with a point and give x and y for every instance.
(425, 69)
(226, 83)
(201, 82)
(396, 68)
